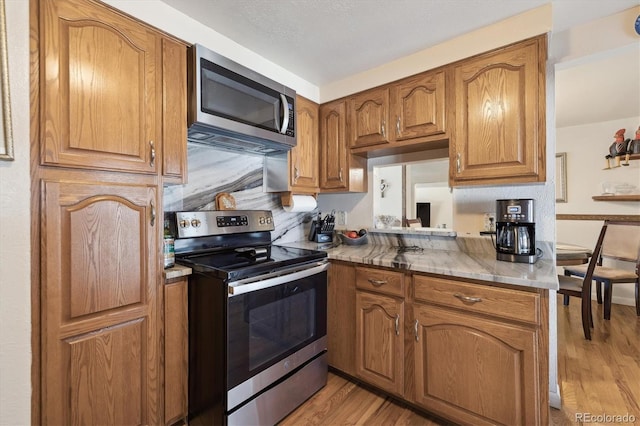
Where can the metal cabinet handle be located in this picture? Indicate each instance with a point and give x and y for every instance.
(397, 324)
(415, 330)
(458, 163)
(285, 114)
(398, 132)
(153, 214)
(382, 129)
(377, 283)
(340, 174)
(152, 161)
(296, 174)
(467, 298)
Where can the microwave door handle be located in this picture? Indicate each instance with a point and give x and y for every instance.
(285, 114)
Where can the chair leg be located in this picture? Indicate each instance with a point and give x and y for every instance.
(607, 300)
(638, 298)
(586, 318)
(599, 292)
(565, 300)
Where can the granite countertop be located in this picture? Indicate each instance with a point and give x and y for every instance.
(176, 271)
(455, 258)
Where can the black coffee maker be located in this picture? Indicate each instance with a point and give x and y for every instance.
(515, 231)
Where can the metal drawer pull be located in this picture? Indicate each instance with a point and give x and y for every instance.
(415, 330)
(468, 298)
(153, 154)
(153, 214)
(397, 324)
(377, 283)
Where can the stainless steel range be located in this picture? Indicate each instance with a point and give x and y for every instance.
(257, 318)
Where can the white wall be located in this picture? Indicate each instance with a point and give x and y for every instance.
(586, 147)
(15, 282)
(439, 195)
(587, 143)
(391, 203)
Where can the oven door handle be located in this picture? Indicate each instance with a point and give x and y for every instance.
(252, 284)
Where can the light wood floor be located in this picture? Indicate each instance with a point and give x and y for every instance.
(601, 376)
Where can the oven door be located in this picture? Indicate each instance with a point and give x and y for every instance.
(274, 326)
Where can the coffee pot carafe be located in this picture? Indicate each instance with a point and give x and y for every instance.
(515, 231)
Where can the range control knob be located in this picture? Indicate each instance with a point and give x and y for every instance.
(195, 223)
(184, 223)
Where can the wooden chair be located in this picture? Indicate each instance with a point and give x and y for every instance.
(414, 223)
(621, 243)
(581, 287)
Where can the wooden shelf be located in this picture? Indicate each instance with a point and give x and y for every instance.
(634, 197)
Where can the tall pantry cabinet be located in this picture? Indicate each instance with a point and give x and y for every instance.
(99, 130)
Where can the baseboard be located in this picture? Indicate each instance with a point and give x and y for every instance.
(555, 401)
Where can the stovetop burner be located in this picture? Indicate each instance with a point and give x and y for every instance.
(232, 265)
(233, 244)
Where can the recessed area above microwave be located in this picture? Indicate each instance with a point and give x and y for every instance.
(234, 108)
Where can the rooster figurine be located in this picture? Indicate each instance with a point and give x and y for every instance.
(617, 149)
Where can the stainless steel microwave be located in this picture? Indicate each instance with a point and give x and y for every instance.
(234, 108)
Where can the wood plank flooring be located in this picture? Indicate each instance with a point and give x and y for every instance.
(601, 376)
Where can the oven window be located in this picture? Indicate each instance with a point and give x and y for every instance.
(279, 326)
(268, 325)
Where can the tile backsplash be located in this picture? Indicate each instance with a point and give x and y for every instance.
(212, 171)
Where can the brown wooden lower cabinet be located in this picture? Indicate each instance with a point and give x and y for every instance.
(379, 337)
(341, 313)
(176, 351)
(469, 351)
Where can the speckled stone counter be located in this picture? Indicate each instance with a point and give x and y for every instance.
(176, 271)
(461, 256)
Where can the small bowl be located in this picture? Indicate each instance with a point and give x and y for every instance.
(353, 241)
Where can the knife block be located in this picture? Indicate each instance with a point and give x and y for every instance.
(317, 234)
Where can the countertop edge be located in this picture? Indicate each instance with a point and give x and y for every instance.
(176, 271)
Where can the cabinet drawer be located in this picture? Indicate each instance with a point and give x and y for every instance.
(500, 302)
(380, 280)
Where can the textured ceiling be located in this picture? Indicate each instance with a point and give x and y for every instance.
(323, 41)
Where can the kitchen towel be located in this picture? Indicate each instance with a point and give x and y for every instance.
(301, 203)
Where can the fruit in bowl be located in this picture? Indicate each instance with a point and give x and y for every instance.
(354, 238)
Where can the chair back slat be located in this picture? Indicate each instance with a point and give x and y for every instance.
(622, 241)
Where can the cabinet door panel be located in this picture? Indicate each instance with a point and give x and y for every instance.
(498, 114)
(464, 363)
(304, 156)
(380, 350)
(99, 99)
(419, 105)
(100, 286)
(341, 317)
(94, 284)
(176, 351)
(174, 111)
(106, 375)
(370, 118)
(333, 158)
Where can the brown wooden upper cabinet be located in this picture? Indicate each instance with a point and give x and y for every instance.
(102, 100)
(406, 110)
(303, 158)
(174, 111)
(500, 116)
(339, 170)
